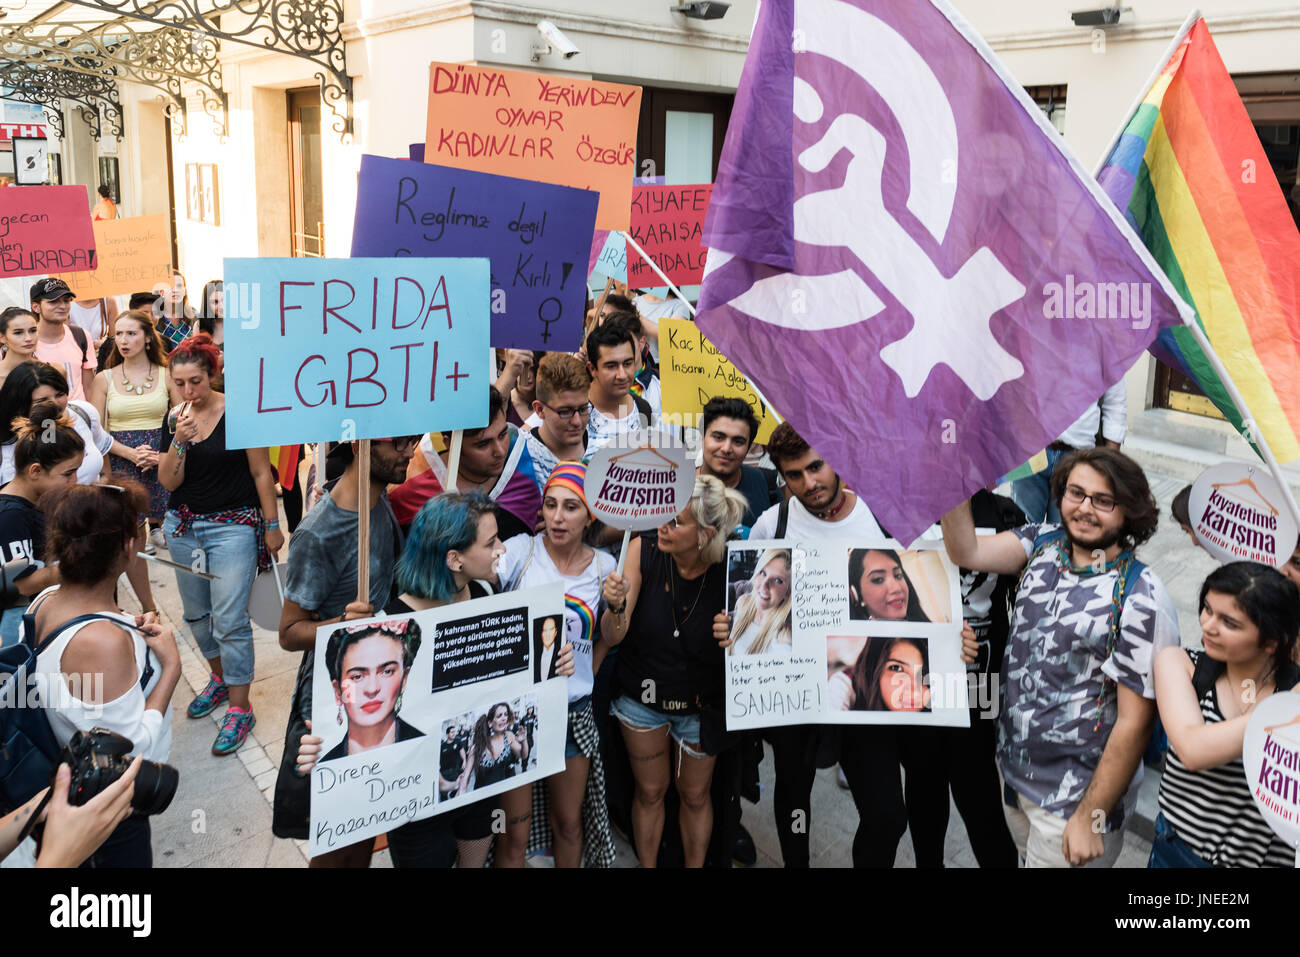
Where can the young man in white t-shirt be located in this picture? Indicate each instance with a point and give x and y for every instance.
(56, 343)
(820, 507)
(612, 362)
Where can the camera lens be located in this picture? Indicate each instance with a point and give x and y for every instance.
(155, 786)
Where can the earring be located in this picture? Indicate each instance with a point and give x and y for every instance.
(340, 714)
(398, 706)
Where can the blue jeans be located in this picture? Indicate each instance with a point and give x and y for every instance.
(1034, 493)
(682, 728)
(11, 625)
(217, 611)
(1170, 850)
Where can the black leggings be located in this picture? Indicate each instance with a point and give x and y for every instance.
(794, 765)
(870, 756)
(970, 755)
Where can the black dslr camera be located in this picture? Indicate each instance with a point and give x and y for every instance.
(98, 757)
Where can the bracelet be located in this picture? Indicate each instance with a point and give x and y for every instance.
(179, 448)
(274, 523)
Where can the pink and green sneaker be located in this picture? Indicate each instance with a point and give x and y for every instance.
(212, 695)
(234, 730)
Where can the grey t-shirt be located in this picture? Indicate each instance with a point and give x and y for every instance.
(322, 574)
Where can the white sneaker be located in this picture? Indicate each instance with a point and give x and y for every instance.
(840, 778)
(157, 539)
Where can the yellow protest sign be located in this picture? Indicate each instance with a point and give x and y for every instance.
(131, 254)
(694, 371)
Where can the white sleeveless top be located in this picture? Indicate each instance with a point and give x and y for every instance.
(150, 731)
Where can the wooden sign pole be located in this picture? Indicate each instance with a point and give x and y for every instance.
(363, 521)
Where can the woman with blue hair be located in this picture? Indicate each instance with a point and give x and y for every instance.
(450, 554)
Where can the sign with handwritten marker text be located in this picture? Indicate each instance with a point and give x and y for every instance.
(47, 229)
(694, 371)
(535, 234)
(132, 254)
(555, 129)
(668, 222)
(407, 741)
(342, 349)
(611, 261)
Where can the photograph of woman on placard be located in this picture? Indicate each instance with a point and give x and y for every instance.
(761, 601)
(881, 586)
(368, 666)
(498, 748)
(889, 674)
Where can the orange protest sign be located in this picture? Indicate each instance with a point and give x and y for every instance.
(554, 129)
(133, 254)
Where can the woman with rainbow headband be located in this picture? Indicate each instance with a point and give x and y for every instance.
(578, 792)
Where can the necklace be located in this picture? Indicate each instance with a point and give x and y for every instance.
(132, 389)
(830, 513)
(672, 587)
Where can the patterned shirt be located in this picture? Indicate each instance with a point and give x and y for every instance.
(1055, 668)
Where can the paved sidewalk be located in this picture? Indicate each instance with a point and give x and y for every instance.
(221, 816)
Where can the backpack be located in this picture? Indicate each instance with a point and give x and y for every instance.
(29, 752)
(1208, 670)
(79, 335)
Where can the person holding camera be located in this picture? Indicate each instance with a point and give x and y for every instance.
(109, 671)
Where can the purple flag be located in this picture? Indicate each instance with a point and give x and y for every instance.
(906, 258)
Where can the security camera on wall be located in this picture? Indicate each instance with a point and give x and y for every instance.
(553, 41)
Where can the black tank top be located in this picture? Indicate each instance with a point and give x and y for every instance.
(687, 670)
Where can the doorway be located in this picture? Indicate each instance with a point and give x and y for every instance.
(307, 205)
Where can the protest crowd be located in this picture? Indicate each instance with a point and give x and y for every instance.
(120, 453)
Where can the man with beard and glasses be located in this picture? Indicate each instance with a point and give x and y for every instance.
(1078, 694)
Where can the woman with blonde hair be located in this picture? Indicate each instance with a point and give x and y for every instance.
(670, 668)
(762, 614)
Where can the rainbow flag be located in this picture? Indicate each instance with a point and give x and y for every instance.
(1191, 176)
(284, 459)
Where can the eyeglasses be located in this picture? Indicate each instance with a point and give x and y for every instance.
(569, 411)
(1077, 496)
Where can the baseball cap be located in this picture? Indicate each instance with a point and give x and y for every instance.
(47, 290)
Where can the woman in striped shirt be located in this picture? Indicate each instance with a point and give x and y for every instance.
(1250, 615)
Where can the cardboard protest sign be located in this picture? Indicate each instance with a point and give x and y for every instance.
(343, 349)
(45, 229)
(843, 632)
(1239, 514)
(539, 126)
(640, 482)
(668, 222)
(694, 371)
(132, 254)
(535, 234)
(428, 711)
(1271, 753)
(611, 259)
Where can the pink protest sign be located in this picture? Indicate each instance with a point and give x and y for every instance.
(667, 222)
(45, 229)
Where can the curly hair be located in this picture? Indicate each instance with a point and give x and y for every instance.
(1128, 484)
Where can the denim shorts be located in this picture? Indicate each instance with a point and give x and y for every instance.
(571, 749)
(682, 728)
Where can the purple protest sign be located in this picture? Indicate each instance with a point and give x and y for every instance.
(415, 151)
(896, 286)
(537, 236)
